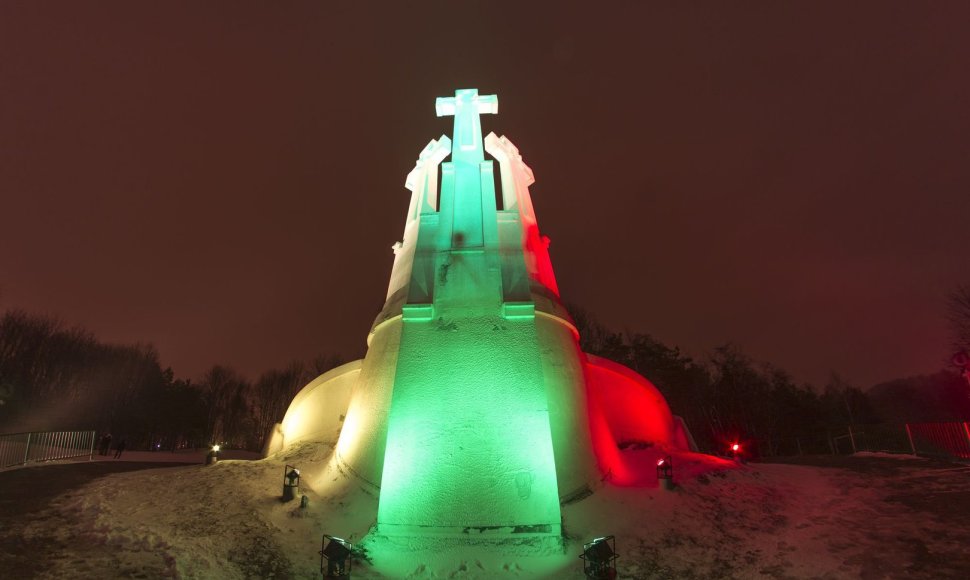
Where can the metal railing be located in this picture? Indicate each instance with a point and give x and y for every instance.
(947, 440)
(22, 448)
(944, 440)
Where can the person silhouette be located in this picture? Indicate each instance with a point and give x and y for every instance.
(120, 448)
(105, 443)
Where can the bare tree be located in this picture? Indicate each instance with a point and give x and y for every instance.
(271, 396)
(223, 392)
(958, 315)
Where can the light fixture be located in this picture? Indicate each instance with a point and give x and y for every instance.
(291, 482)
(665, 473)
(335, 560)
(599, 558)
(212, 456)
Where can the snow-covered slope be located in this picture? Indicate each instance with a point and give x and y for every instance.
(723, 521)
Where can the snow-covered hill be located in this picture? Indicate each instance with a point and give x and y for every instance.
(862, 517)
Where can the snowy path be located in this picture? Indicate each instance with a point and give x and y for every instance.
(859, 517)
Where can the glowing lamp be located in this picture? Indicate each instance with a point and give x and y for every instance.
(212, 456)
(599, 558)
(335, 560)
(735, 448)
(665, 473)
(291, 482)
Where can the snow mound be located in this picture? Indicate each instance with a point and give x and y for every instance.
(723, 520)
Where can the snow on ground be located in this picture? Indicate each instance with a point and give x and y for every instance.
(859, 517)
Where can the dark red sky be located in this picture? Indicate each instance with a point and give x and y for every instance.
(225, 179)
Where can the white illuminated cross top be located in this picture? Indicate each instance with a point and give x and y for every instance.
(466, 106)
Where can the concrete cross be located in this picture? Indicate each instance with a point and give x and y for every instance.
(516, 175)
(466, 106)
(423, 179)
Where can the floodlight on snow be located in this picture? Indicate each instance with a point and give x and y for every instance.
(665, 473)
(291, 482)
(213, 455)
(335, 560)
(735, 450)
(599, 558)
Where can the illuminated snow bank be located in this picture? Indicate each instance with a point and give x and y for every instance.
(627, 410)
(474, 412)
(317, 412)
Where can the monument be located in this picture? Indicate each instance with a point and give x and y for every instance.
(474, 411)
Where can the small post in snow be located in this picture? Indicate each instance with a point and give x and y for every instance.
(910, 435)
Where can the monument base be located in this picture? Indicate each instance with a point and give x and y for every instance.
(482, 533)
(387, 542)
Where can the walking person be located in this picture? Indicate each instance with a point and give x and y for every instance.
(105, 443)
(120, 448)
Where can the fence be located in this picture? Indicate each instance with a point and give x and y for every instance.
(22, 448)
(944, 440)
(947, 440)
(891, 438)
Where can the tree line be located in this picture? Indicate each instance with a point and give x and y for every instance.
(54, 377)
(730, 397)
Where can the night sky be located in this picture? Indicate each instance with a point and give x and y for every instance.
(225, 179)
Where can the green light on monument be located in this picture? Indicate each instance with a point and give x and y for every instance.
(469, 444)
(475, 414)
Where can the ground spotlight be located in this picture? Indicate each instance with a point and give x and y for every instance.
(735, 450)
(665, 473)
(335, 560)
(212, 456)
(291, 482)
(599, 558)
